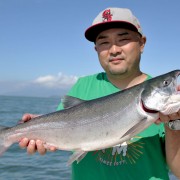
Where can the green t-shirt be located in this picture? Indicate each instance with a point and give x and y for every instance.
(142, 157)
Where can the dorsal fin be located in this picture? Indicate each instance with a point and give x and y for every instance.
(69, 101)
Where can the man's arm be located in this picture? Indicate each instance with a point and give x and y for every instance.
(172, 141)
(173, 150)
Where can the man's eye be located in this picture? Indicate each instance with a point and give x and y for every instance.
(104, 42)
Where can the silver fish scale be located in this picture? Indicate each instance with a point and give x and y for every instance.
(73, 124)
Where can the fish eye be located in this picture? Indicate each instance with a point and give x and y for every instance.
(166, 82)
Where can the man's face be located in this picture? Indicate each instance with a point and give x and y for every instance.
(119, 50)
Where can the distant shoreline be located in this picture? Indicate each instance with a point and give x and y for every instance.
(29, 96)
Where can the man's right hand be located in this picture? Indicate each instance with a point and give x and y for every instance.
(33, 145)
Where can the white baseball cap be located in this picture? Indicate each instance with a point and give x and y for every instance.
(113, 18)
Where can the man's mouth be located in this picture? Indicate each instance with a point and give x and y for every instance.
(115, 60)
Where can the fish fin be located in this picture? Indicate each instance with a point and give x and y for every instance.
(137, 128)
(3, 144)
(69, 101)
(76, 156)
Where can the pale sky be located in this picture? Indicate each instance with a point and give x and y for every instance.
(43, 49)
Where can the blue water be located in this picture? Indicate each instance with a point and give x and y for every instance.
(16, 163)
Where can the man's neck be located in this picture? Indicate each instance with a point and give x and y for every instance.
(124, 81)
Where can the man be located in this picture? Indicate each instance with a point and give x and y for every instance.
(119, 42)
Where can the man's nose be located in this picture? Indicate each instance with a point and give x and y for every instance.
(114, 49)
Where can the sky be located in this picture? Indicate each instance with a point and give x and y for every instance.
(43, 50)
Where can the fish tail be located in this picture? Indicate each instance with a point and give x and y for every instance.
(4, 143)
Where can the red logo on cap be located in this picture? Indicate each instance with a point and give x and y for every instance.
(107, 16)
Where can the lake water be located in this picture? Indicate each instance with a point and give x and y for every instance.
(16, 163)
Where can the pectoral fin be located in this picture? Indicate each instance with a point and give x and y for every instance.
(76, 156)
(137, 128)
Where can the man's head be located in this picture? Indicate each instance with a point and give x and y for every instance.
(118, 40)
(113, 18)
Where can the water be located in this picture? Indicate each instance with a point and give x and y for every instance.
(16, 164)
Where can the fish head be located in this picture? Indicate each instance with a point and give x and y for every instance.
(161, 93)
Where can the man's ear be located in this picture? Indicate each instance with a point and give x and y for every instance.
(95, 48)
(142, 43)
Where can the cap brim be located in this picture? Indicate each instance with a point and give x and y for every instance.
(92, 32)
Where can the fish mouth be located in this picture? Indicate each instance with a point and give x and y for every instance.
(146, 109)
(175, 93)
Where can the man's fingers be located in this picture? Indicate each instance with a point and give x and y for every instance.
(24, 143)
(31, 148)
(40, 147)
(164, 118)
(26, 117)
(157, 121)
(174, 116)
(52, 149)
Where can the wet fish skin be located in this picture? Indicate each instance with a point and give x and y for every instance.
(100, 123)
(174, 124)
